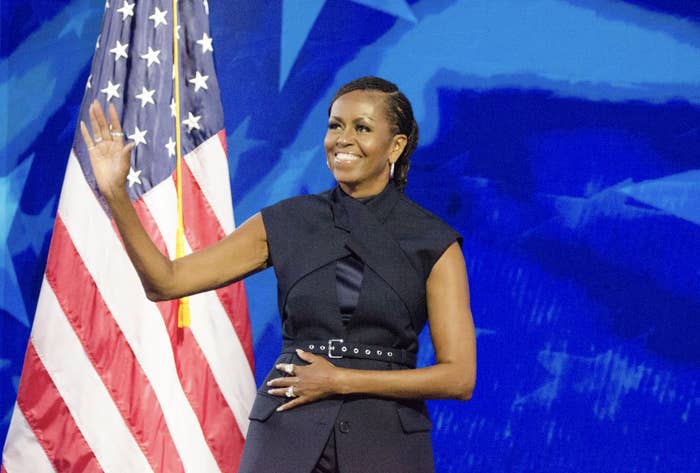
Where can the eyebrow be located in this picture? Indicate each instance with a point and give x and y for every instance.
(363, 117)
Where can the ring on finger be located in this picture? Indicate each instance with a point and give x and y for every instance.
(290, 392)
(289, 369)
(97, 139)
(116, 133)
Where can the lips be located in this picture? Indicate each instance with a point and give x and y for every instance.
(345, 157)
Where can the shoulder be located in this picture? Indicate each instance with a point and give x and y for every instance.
(412, 218)
(290, 224)
(296, 209)
(300, 203)
(421, 232)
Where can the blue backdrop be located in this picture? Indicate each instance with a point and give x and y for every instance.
(561, 137)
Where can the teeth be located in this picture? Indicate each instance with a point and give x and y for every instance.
(346, 157)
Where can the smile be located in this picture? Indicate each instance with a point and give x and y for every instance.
(346, 157)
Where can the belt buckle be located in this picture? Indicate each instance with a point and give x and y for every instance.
(330, 347)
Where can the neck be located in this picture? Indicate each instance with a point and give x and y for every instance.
(358, 192)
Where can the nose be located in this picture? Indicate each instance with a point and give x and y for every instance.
(344, 137)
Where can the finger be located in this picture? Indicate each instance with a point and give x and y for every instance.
(86, 135)
(102, 121)
(280, 382)
(94, 123)
(281, 392)
(306, 356)
(291, 404)
(288, 368)
(126, 151)
(116, 127)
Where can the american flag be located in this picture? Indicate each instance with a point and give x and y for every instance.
(109, 382)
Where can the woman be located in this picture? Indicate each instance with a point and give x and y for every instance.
(360, 269)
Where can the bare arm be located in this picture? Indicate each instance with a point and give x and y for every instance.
(241, 253)
(452, 376)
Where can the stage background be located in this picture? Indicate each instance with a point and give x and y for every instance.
(560, 137)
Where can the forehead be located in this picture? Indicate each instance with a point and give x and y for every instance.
(360, 103)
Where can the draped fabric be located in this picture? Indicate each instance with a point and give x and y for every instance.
(398, 242)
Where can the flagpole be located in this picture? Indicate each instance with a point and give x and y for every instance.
(183, 313)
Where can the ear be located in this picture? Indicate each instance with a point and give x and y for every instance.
(397, 146)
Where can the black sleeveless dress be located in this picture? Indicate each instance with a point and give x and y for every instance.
(319, 246)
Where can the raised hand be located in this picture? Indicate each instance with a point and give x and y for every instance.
(109, 156)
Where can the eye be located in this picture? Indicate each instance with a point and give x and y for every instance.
(362, 128)
(333, 126)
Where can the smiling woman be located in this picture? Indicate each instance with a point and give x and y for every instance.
(360, 270)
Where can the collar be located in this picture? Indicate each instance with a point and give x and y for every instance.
(379, 205)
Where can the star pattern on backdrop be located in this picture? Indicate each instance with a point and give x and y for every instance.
(10, 192)
(298, 18)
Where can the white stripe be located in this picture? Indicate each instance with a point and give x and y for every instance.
(82, 390)
(23, 452)
(138, 318)
(210, 324)
(219, 342)
(209, 166)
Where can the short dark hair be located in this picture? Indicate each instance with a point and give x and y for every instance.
(399, 112)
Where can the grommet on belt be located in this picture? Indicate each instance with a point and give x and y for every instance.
(344, 426)
(338, 348)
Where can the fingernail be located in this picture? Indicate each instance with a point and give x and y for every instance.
(281, 408)
(299, 351)
(269, 391)
(269, 383)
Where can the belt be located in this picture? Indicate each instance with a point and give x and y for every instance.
(337, 348)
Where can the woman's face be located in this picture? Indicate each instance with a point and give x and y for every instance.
(360, 144)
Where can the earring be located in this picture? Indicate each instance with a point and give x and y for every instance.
(391, 171)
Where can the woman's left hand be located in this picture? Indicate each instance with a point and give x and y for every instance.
(308, 383)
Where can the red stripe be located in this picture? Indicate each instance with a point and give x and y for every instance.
(202, 229)
(222, 139)
(221, 431)
(109, 352)
(49, 417)
(150, 225)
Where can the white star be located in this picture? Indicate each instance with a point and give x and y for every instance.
(177, 31)
(151, 56)
(133, 176)
(112, 90)
(89, 82)
(126, 10)
(172, 107)
(107, 4)
(158, 17)
(192, 121)
(119, 51)
(138, 136)
(199, 81)
(97, 43)
(205, 42)
(146, 96)
(206, 6)
(170, 146)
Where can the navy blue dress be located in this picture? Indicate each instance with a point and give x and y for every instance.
(394, 243)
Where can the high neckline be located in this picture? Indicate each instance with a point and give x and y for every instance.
(379, 204)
